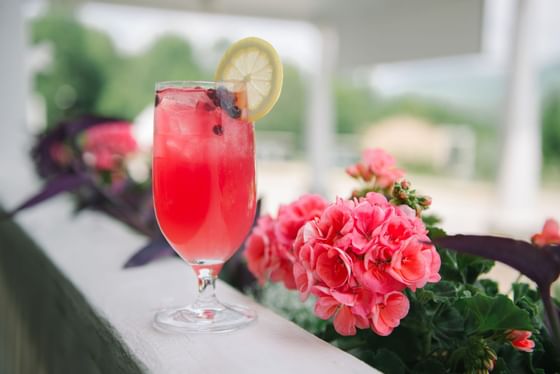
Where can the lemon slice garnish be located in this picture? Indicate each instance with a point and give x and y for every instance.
(255, 62)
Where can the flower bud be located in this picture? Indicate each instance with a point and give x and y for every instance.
(405, 185)
(424, 201)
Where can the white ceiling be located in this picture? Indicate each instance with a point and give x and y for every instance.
(369, 31)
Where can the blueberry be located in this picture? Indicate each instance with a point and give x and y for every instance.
(218, 130)
(225, 97)
(234, 112)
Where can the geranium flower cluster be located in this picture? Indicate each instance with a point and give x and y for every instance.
(521, 340)
(550, 234)
(355, 256)
(106, 145)
(270, 246)
(378, 167)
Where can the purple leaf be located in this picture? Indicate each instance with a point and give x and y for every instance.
(62, 183)
(542, 265)
(157, 248)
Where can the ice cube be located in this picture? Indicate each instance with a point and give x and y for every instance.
(182, 99)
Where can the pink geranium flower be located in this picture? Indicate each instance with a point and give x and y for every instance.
(378, 160)
(550, 234)
(409, 265)
(340, 305)
(293, 216)
(383, 166)
(106, 145)
(360, 170)
(376, 277)
(357, 257)
(261, 248)
(336, 223)
(369, 220)
(387, 314)
(354, 256)
(269, 252)
(334, 267)
(396, 231)
(263, 255)
(520, 340)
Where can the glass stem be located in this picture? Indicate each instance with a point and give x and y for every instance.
(206, 288)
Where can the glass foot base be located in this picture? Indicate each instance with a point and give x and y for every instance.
(198, 319)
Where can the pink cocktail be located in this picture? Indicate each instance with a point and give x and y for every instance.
(204, 190)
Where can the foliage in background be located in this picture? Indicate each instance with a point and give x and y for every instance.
(89, 76)
(79, 71)
(289, 112)
(130, 87)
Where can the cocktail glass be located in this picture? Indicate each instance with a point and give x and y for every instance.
(204, 191)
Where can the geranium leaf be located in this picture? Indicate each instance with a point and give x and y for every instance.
(388, 362)
(484, 313)
(435, 232)
(489, 286)
(429, 366)
(448, 326)
(471, 267)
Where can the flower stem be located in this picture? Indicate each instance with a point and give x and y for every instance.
(552, 315)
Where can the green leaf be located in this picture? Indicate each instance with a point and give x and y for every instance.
(408, 352)
(484, 314)
(431, 220)
(449, 324)
(429, 366)
(501, 367)
(449, 269)
(522, 290)
(435, 232)
(472, 267)
(515, 361)
(489, 286)
(443, 291)
(388, 362)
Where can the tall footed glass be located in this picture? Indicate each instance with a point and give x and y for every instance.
(204, 191)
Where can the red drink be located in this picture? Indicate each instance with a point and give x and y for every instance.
(203, 174)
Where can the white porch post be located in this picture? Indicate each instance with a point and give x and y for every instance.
(520, 164)
(320, 126)
(13, 88)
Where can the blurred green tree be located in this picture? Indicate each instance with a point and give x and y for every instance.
(288, 113)
(354, 106)
(81, 59)
(88, 76)
(130, 85)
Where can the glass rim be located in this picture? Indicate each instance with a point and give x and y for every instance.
(194, 83)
